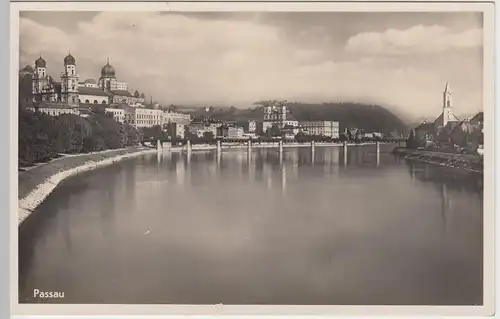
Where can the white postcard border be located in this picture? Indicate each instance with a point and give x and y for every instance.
(424, 6)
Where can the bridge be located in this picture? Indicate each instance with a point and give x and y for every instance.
(401, 142)
(218, 144)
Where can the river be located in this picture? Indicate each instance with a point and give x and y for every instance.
(308, 229)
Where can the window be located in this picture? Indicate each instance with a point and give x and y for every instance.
(95, 101)
(103, 102)
(87, 101)
(79, 101)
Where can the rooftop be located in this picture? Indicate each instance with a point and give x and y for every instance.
(54, 105)
(479, 117)
(122, 93)
(91, 91)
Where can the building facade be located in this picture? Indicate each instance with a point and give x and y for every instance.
(147, 117)
(266, 125)
(275, 114)
(252, 126)
(72, 92)
(43, 86)
(91, 95)
(235, 132)
(122, 96)
(176, 130)
(174, 117)
(88, 83)
(69, 82)
(55, 109)
(118, 114)
(321, 128)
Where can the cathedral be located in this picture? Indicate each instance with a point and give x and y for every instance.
(70, 92)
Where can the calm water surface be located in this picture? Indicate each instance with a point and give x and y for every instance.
(322, 228)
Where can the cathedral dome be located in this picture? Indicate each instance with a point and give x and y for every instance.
(108, 71)
(69, 60)
(40, 63)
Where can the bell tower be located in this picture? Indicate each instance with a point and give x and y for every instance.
(39, 78)
(69, 82)
(447, 105)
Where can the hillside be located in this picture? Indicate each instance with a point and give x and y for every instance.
(372, 118)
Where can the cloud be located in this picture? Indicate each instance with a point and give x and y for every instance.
(417, 39)
(184, 59)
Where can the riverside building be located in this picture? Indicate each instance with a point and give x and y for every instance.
(175, 117)
(321, 128)
(118, 114)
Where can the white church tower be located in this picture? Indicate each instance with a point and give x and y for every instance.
(69, 82)
(447, 115)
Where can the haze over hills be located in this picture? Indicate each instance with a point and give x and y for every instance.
(373, 118)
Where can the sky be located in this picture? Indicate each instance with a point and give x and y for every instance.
(400, 60)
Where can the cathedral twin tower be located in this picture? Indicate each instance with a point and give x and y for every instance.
(44, 88)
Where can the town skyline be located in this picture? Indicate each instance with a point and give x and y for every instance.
(385, 59)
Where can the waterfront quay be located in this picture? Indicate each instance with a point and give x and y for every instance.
(466, 162)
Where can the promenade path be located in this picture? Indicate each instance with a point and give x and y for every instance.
(29, 179)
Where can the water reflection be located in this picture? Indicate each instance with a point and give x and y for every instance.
(259, 228)
(453, 178)
(445, 204)
(283, 180)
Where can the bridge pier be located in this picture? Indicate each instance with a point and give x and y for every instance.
(280, 146)
(378, 153)
(345, 152)
(313, 146)
(219, 148)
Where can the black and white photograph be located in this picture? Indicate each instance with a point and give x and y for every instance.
(236, 157)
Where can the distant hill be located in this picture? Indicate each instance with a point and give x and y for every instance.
(372, 118)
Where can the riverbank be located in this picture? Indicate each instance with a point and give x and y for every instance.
(36, 183)
(469, 163)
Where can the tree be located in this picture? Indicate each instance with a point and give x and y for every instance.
(190, 136)
(274, 131)
(208, 137)
(133, 136)
(89, 144)
(411, 142)
(136, 94)
(154, 132)
(343, 137)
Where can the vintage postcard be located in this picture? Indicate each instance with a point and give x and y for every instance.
(252, 158)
